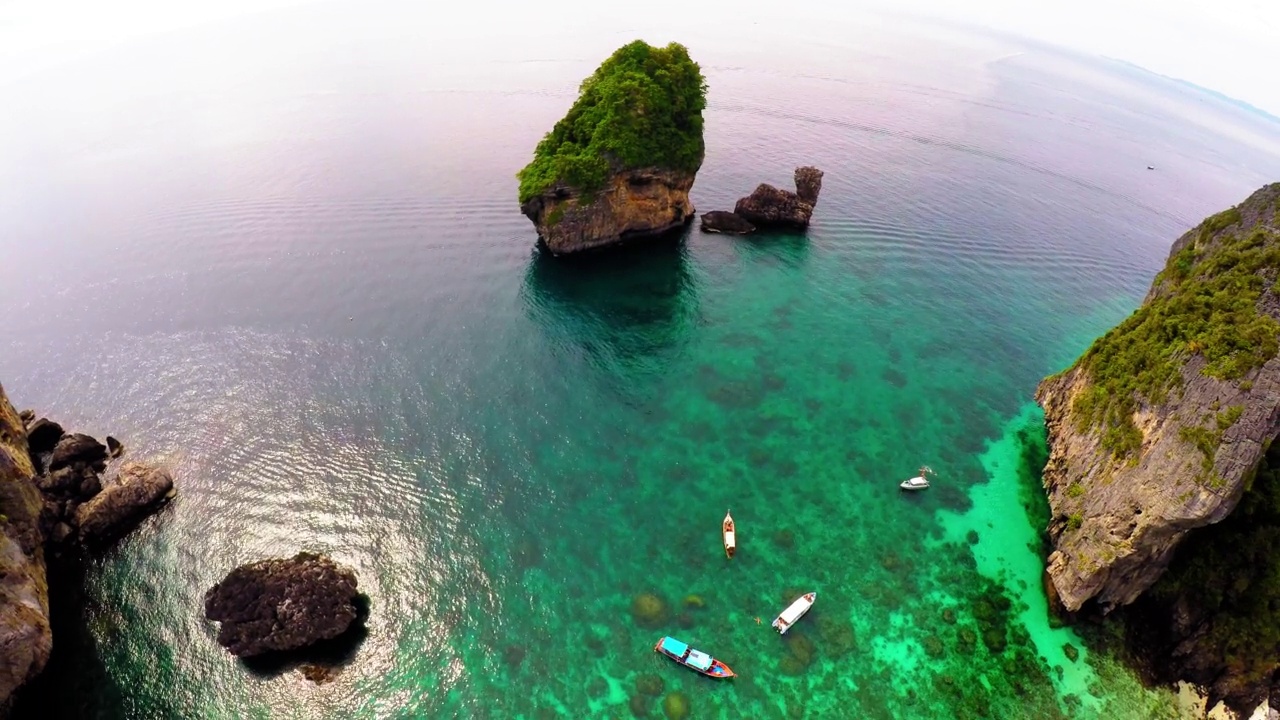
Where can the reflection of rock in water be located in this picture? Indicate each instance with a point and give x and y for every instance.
(622, 306)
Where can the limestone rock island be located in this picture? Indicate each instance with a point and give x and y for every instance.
(1159, 431)
(619, 165)
(282, 604)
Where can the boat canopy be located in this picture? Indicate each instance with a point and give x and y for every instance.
(793, 613)
(674, 646)
(699, 659)
(728, 538)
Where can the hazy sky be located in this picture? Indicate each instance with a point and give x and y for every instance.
(1232, 46)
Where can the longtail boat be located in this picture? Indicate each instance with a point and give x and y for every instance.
(794, 612)
(695, 660)
(730, 542)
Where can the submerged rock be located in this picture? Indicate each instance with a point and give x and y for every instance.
(282, 604)
(138, 489)
(650, 684)
(676, 706)
(649, 611)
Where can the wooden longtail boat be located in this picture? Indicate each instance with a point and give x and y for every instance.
(695, 660)
(730, 541)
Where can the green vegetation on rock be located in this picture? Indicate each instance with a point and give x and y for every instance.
(641, 108)
(1207, 438)
(1205, 303)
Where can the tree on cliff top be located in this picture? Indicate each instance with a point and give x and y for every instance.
(1207, 301)
(641, 108)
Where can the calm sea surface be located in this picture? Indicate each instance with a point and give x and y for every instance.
(282, 253)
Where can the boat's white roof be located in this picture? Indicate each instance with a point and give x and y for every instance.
(699, 659)
(728, 538)
(797, 608)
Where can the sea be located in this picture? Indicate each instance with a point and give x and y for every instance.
(280, 253)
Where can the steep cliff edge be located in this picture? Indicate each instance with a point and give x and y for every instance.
(25, 639)
(1160, 426)
(619, 165)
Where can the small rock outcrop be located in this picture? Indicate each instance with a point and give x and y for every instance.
(77, 448)
(282, 604)
(722, 221)
(618, 167)
(42, 436)
(137, 489)
(771, 207)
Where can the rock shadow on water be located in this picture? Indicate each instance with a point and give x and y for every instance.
(782, 248)
(75, 682)
(321, 661)
(632, 300)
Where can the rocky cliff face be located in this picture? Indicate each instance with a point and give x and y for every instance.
(635, 204)
(1158, 429)
(25, 640)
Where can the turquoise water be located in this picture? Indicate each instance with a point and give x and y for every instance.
(309, 290)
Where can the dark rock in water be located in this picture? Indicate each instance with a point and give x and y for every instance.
(60, 533)
(280, 604)
(1070, 651)
(676, 706)
(808, 184)
(137, 490)
(722, 221)
(318, 674)
(114, 448)
(76, 448)
(770, 206)
(513, 655)
(649, 611)
(26, 416)
(43, 435)
(63, 481)
(90, 485)
(650, 684)
(639, 705)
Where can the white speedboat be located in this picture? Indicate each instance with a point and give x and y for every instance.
(794, 612)
(919, 482)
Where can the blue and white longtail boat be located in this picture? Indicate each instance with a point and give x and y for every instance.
(695, 660)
